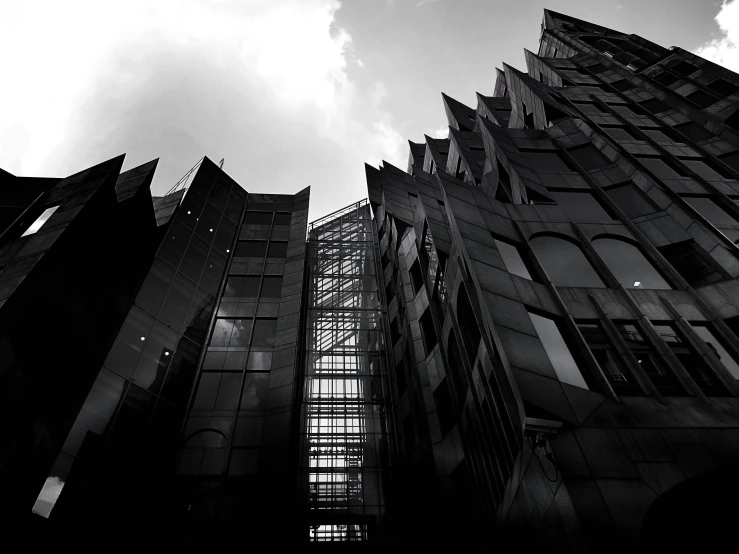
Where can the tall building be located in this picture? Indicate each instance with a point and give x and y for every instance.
(529, 337)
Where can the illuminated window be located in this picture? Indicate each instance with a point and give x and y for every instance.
(43, 218)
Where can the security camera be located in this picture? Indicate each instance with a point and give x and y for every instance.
(534, 426)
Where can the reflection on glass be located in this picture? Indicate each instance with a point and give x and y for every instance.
(631, 202)
(580, 206)
(562, 361)
(36, 225)
(628, 264)
(724, 357)
(710, 210)
(565, 263)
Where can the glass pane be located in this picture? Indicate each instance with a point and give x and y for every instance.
(264, 332)
(251, 248)
(726, 359)
(589, 157)
(546, 162)
(251, 287)
(512, 259)
(580, 206)
(702, 169)
(198, 317)
(619, 133)
(234, 207)
(36, 225)
(631, 202)
(191, 208)
(258, 218)
(222, 332)
(154, 290)
(629, 265)
(129, 344)
(562, 361)
(565, 263)
(219, 194)
(224, 235)
(259, 361)
(241, 332)
(155, 358)
(178, 301)
(277, 250)
(283, 218)
(194, 259)
(174, 244)
(208, 223)
(234, 284)
(656, 135)
(228, 392)
(272, 287)
(178, 383)
(710, 210)
(659, 168)
(205, 397)
(213, 271)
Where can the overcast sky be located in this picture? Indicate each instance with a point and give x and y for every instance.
(290, 92)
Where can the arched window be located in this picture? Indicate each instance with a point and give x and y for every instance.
(564, 262)
(628, 264)
(468, 325)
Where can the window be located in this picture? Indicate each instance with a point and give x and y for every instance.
(528, 117)
(627, 263)
(589, 157)
(703, 169)
(701, 98)
(589, 108)
(609, 360)
(545, 162)
(656, 135)
(660, 168)
(444, 409)
(416, 277)
(722, 87)
(622, 110)
(623, 85)
(43, 218)
(690, 360)
(710, 339)
(277, 249)
(395, 332)
(732, 160)
(630, 200)
(512, 259)
(469, 329)
(242, 286)
(251, 249)
(428, 333)
(693, 131)
(272, 287)
(258, 218)
(653, 105)
(684, 68)
(663, 379)
(283, 218)
(580, 206)
(231, 332)
(665, 78)
(619, 133)
(564, 262)
(710, 210)
(559, 355)
(264, 332)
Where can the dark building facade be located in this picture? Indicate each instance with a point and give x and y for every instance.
(528, 338)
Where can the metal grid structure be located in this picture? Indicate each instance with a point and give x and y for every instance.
(344, 434)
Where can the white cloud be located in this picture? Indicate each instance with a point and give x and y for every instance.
(262, 82)
(442, 131)
(725, 49)
(422, 2)
(360, 63)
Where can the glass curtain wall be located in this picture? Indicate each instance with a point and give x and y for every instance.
(344, 436)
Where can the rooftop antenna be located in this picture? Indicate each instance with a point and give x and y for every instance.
(182, 183)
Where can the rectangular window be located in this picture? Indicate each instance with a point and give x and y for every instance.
(609, 360)
(656, 135)
(272, 287)
(283, 218)
(258, 218)
(665, 78)
(43, 218)
(703, 169)
(619, 133)
(623, 85)
(653, 105)
(589, 108)
(428, 333)
(660, 168)
(710, 339)
(663, 379)
(251, 248)
(416, 277)
(512, 259)
(231, 332)
(693, 131)
(277, 250)
(580, 206)
(695, 268)
(710, 210)
(623, 110)
(546, 162)
(722, 87)
(701, 98)
(630, 200)
(559, 355)
(589, 157)
(684, 68)
(264, 332)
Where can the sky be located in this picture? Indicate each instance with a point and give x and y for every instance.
(289, 93)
